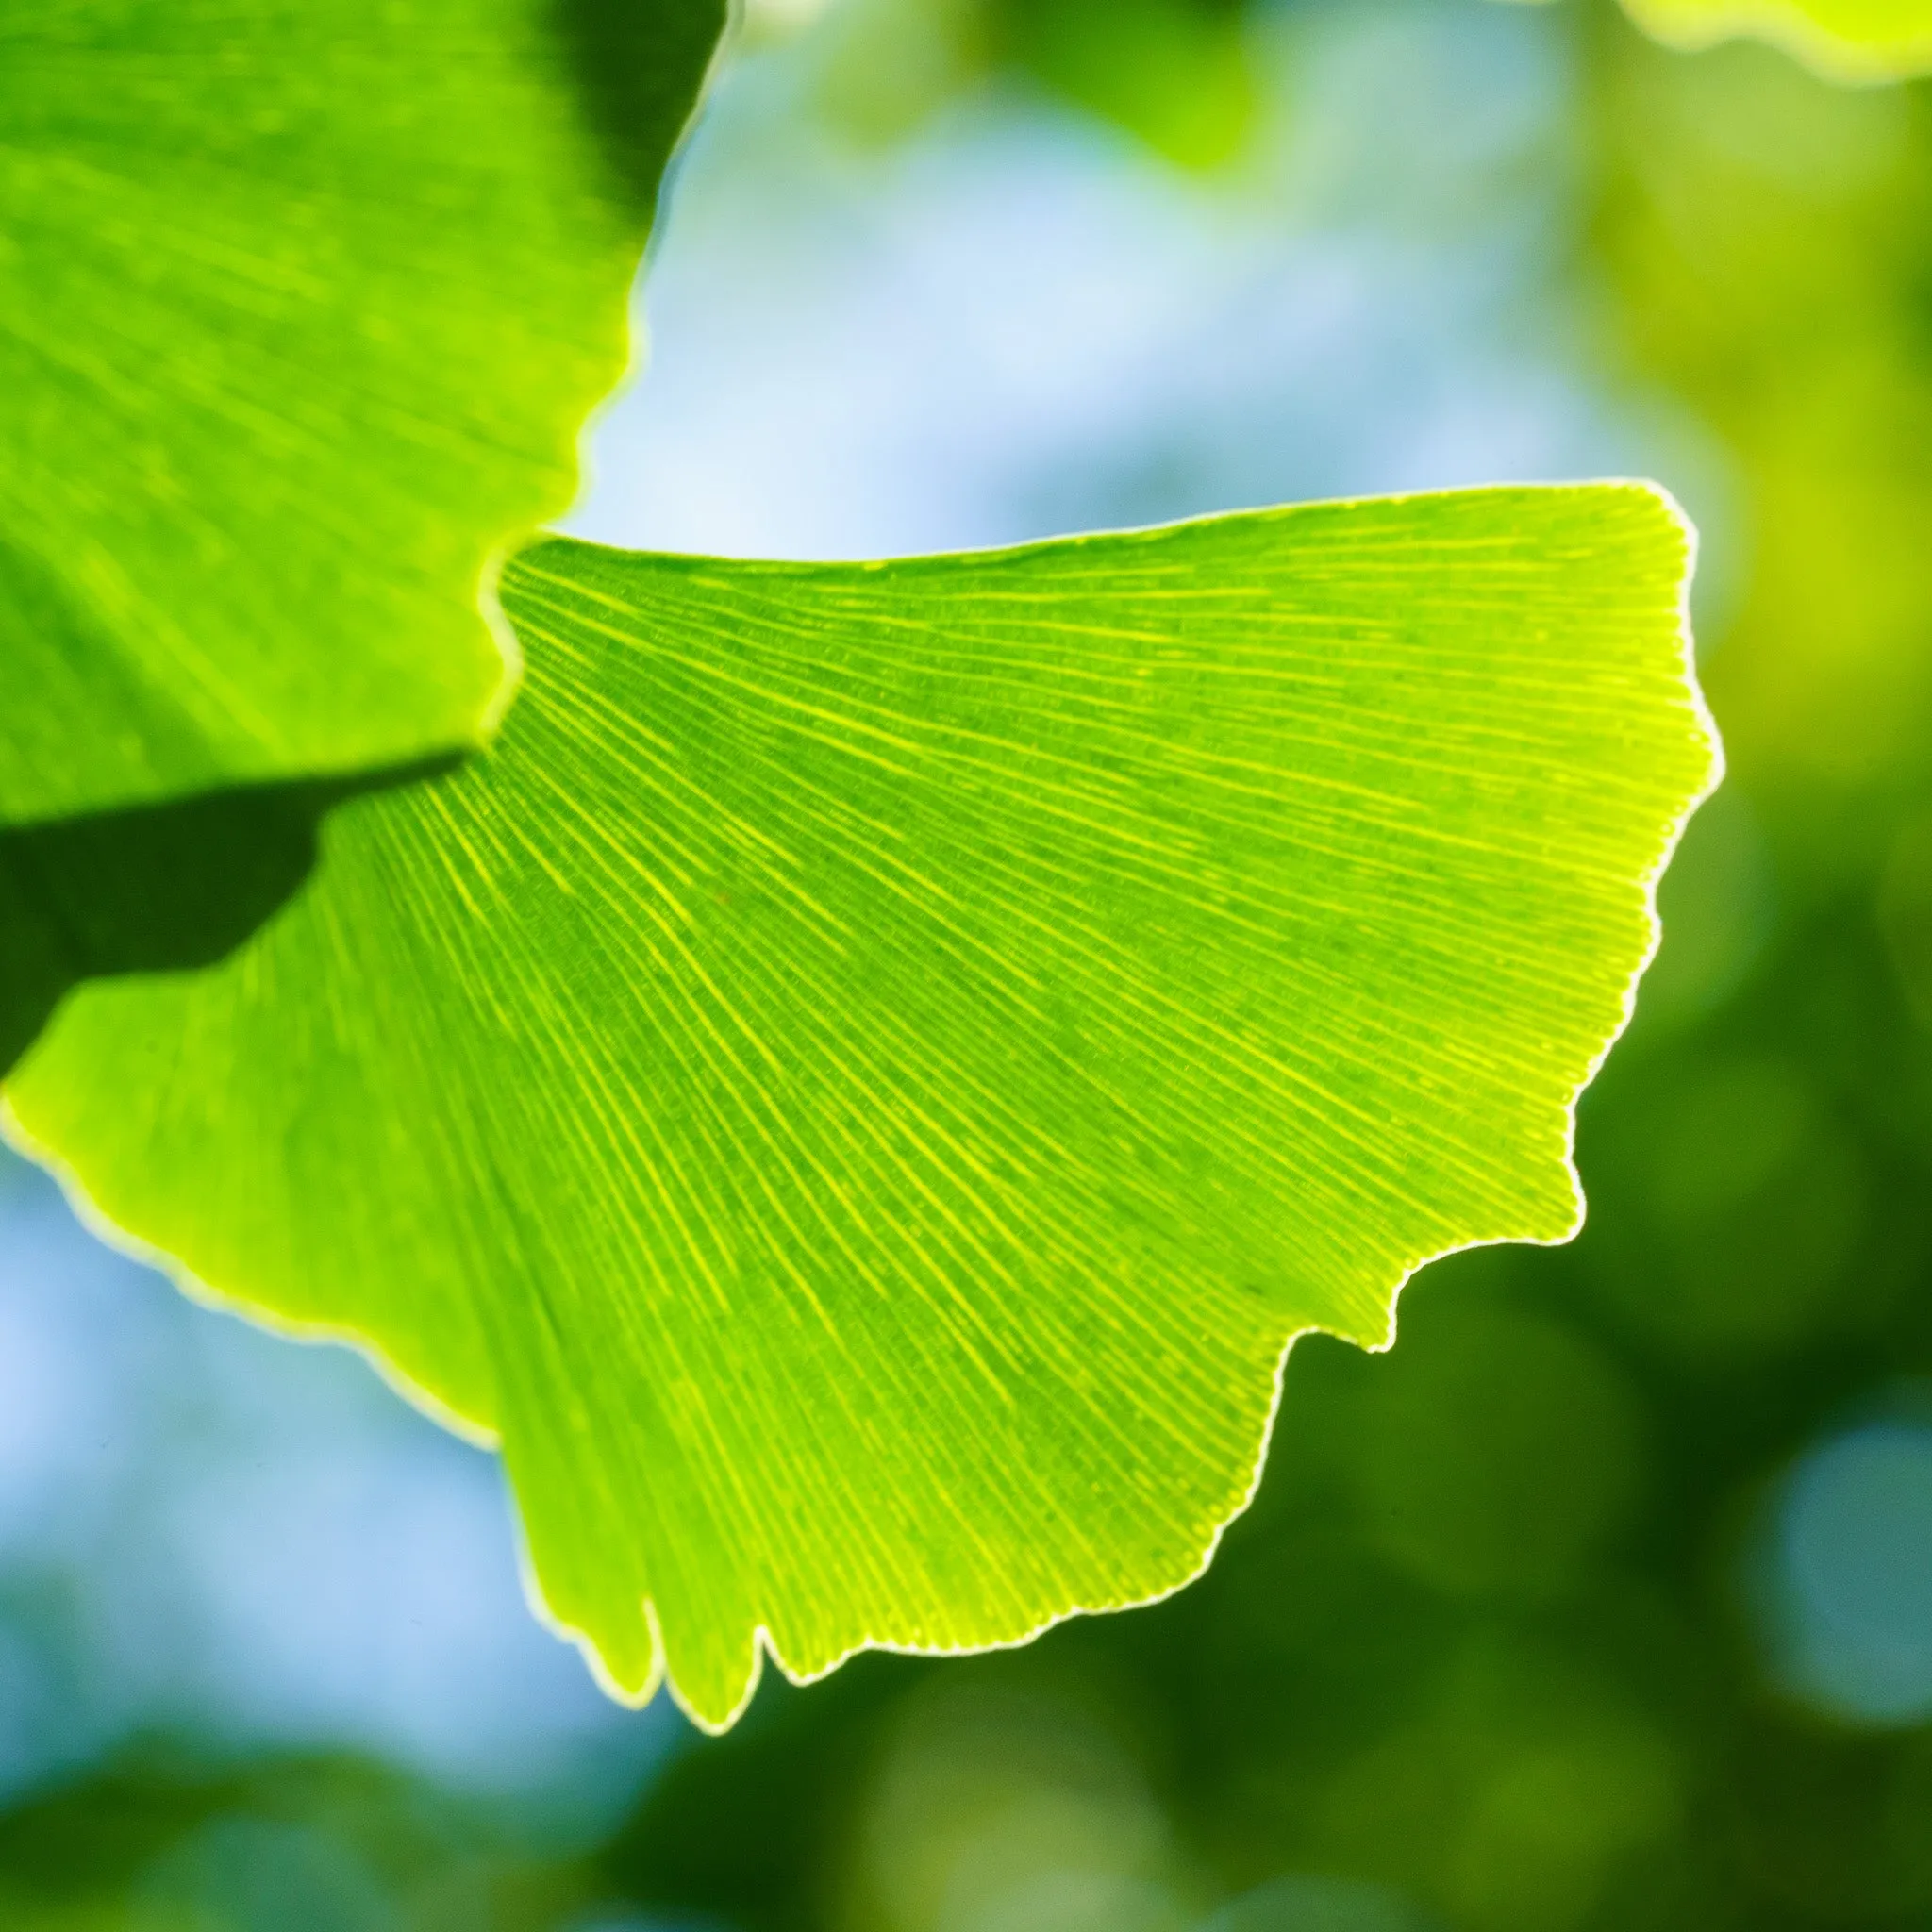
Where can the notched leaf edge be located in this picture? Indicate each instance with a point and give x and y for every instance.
(764, 1646)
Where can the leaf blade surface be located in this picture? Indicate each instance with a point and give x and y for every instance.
(860, 1084)
(305, 307)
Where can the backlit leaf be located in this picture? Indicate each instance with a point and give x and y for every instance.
(304, 308)
(858, 1086)
(1845, 40)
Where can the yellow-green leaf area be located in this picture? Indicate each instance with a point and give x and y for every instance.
(859, 1085)
(306, 305)
(1845, 40)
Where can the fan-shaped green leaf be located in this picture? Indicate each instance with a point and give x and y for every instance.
(304, 308)
(858, 1086)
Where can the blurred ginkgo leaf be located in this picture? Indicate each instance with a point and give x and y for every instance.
(1844, 40)
(1848, 39)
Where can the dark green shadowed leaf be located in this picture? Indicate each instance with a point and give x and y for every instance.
(858, 1087)
(304, 308)
(153, 889)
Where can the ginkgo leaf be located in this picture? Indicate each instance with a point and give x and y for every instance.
(1846, 39)
(858, 1088)
(153, 889)
(305, 308)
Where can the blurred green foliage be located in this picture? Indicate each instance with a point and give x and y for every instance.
(167, 1841)
(1485, 1655)
(1176, 73)
(1848, 39)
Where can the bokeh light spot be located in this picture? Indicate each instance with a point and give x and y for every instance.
(1850, 1599)
(1005, 1808)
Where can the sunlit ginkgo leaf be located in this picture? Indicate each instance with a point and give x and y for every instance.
(858, 1086)
(304, 308)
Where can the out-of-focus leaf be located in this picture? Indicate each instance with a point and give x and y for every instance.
(858, 1086)
(1175, 72)
(304, 306)
(1846, 39)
